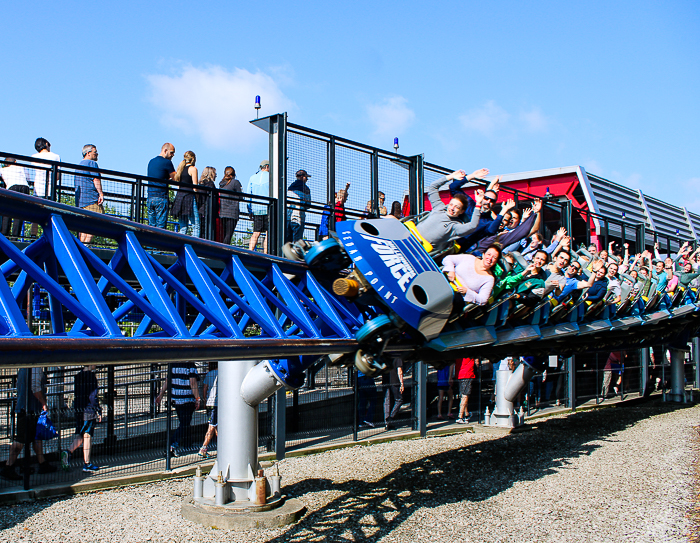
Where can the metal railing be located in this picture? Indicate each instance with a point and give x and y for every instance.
(126, 196)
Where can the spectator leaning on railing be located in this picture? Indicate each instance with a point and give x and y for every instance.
(160, 167)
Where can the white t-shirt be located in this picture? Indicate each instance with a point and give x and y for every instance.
(40, 175)
(14, 175)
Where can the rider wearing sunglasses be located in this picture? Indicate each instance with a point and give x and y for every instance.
(489, 221)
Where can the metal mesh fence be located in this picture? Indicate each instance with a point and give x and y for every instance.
(353, 167)
(393, 184)
(130, 438)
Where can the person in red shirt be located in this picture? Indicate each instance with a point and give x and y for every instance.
(464, 371)
(340, 198)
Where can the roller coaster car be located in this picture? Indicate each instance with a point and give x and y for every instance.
(392, 266)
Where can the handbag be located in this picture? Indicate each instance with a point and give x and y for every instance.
(44, 428)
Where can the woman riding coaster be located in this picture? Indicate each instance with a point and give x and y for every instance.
(473, 276)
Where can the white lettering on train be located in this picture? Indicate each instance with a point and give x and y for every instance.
(394, 260)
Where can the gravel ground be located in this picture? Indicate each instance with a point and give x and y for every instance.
(615, 474)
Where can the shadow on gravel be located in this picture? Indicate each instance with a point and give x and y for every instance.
(11, 515)
(368, 511)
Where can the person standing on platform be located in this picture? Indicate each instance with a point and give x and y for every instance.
(393, 388)
(16, 178)
(206, 181)
(185, 394)
(259, 185)
(464, 370)
(229, 207)
(161, 168)
(185, 203)
(87, 413)
(298, 199)
(88, 187)
(340, 198)
(42, 189)
(43, 150)
(211, 395)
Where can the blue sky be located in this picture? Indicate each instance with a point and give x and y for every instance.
(512, 86)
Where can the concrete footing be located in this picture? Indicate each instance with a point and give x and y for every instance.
(275, 514)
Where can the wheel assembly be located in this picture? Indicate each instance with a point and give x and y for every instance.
(368, 364)
(292, 251)
(375, 331)
(327, 255)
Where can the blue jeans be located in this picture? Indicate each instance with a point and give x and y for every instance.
(192, 219)
(294, 232)
(158, 212)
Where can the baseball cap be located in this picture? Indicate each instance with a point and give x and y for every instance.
(264, 163)
(302, 173)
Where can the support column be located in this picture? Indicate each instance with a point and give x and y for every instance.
(280, 424)
(237, 450)
(696, 360)
(644, 363)
(422, 397)
(571, 369)
(677, 393)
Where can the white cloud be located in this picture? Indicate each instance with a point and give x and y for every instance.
(216, 103)
(492, 120)
(392, 117)
(534, 120)
(487, 119)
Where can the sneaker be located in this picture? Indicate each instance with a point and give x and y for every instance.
(368, 423)
(45, 467)
(89, 468)
(174, 452)
(10, 474)
(65, 460)
(203, 453)
(461, 421)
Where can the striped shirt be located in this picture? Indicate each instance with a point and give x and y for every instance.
(180, 382)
